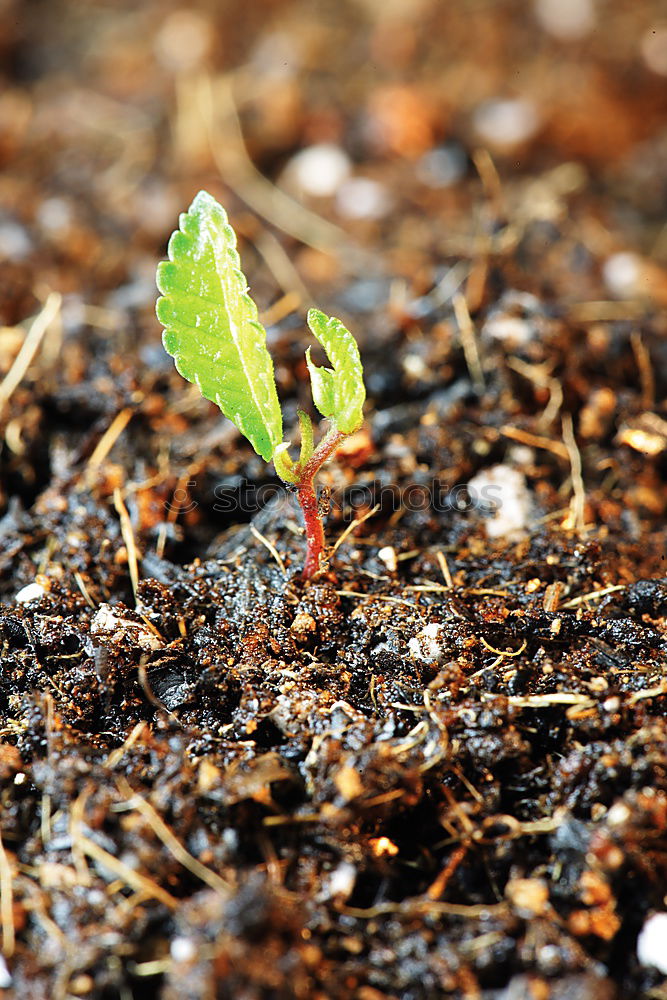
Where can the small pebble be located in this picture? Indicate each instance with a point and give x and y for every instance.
(646, 433)
(5, 975)
(528, 896)
(510, 330)
(383, 847)
(366, 295)
(442, 167)
(342, 879)
(516, 320)
(652, 943)
(82, 985)
(414, 366)
(54, 216)
(622, 273)
(618, 815)
(15, 244)
(319, 170)
(506, 489)
(182, 949)
(387, 555)
(33, 592)
(506, 122)
(425, 645)
(597, 414)
(363, 198)
(566, 20)
(109, 622)
(303, 627)
(183, 40)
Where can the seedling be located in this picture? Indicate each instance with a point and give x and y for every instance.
(212, 332)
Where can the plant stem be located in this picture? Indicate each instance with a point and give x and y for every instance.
(307, 497)
(314, 529)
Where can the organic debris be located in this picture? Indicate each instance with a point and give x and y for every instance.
(439, 768)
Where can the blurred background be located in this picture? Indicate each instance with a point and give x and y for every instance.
(375, 158)
(384, 121)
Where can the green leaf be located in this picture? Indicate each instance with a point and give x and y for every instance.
(307, 441)
(211, 326)
(338, 393)
(285, 467)
(289, 470)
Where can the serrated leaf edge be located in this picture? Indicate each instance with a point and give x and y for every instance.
(347, 366)
(223, 241)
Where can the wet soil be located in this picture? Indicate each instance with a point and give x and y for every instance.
(440, 768)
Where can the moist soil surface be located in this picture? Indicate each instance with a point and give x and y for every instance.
(438, 769)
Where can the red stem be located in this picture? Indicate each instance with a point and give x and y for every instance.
(314, 529)
(307, 497)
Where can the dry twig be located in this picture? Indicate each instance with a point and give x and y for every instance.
(593, 595)
(444, 568)
(215, 101)
(270, 546)
(578, 506)
(646, 375)
(128, 537)
(136, 881)
(468, 341)
(171, 842)
(535, 440)
(117, 755)
(109, 438)
(351, 527)
(30, 346)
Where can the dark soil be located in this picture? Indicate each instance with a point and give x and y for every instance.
(439, 769)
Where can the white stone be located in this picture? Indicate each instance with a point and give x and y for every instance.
(652, 942)
(618, 815)
(108, 621)
(414, 366)
(183, 40)
(54, 215)
(510, 330)
(622, 274)
(567, 20)
(319, 170)
(33, 592)
(387, 555)
(341, 880)
(230, 839)
(506, 122)
(5, 975)
(521, 454)
(182, 949)
(426, 646)
(15, 244)
(504, 490)
(363, 198)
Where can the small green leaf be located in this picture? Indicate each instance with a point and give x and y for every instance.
(289, 470)
(307, 441)
(338, 393)
(322, 386)
(211, 326)
(285, 467)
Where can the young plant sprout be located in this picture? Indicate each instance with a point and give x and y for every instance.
(212, 332)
